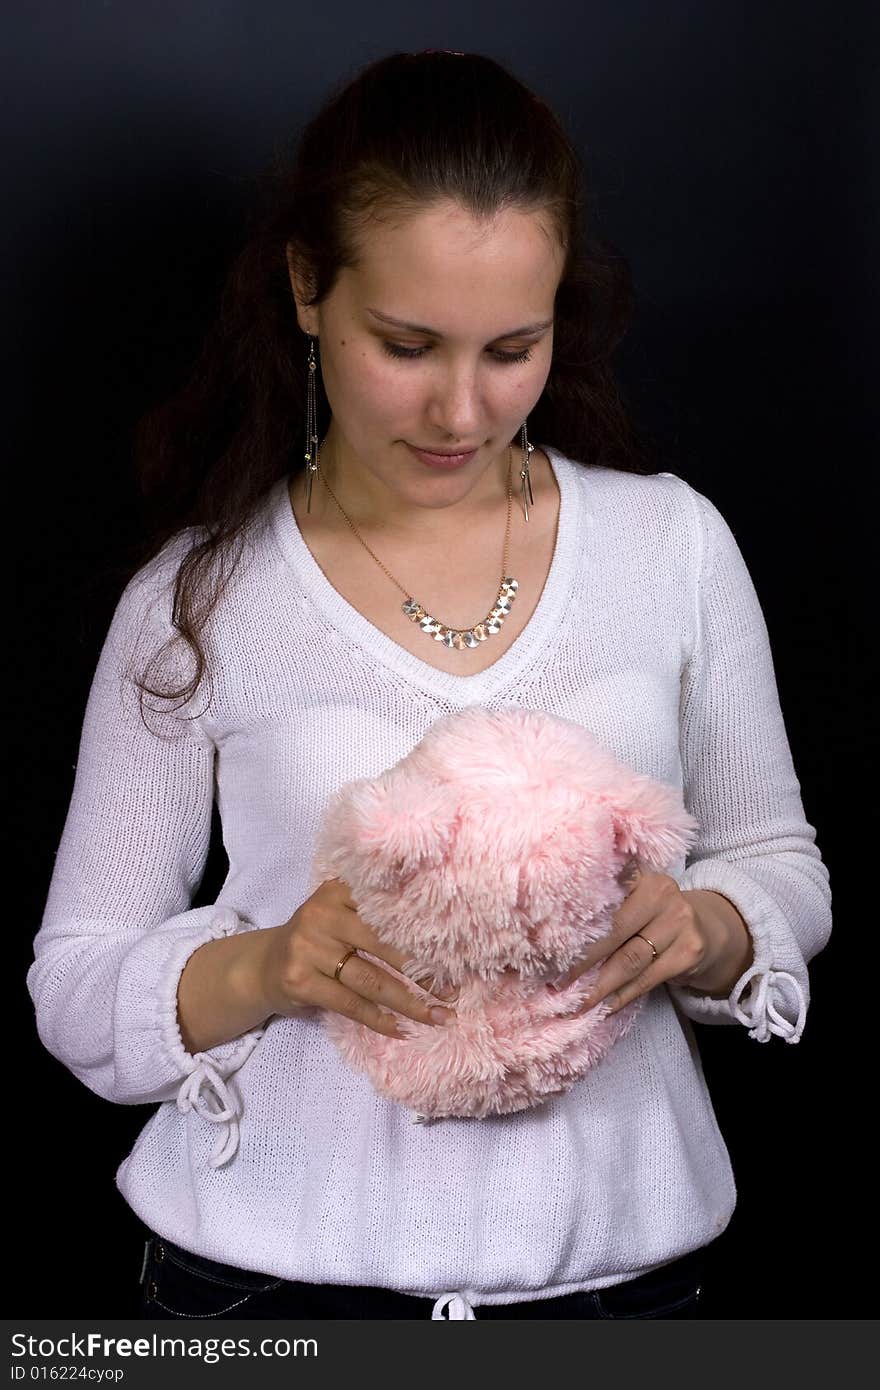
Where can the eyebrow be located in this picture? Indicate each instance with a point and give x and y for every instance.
(433, 333)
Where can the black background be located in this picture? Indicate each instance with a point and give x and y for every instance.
(727, 150)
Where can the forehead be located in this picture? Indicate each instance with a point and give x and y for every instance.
(444, 258)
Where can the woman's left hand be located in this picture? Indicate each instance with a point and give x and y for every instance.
(699, 943)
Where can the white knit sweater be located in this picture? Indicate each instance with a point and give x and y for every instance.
(268, 1152)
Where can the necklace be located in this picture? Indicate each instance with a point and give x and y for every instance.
(457, 638)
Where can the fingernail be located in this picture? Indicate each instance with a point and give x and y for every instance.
(442, 1015)
(451, 992)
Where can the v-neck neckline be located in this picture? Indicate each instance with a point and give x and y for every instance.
(464, 689)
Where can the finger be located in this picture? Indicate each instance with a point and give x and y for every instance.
(629, 962)
(366, 939)
(371, 982)
(341, 1000)
(599, 951)
(618, 992)
(651, 895)
(412, 969)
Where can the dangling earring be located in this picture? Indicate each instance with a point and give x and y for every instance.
(527, 449)
(311, 423)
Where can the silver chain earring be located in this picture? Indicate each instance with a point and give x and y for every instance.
(527, 450)
(311, 454)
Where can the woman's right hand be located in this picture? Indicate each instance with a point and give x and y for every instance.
(297, 966)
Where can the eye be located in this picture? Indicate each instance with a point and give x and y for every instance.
(395, 350)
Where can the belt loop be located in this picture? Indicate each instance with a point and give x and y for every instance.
(146, 1257)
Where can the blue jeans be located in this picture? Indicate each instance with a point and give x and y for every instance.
(178, 1284)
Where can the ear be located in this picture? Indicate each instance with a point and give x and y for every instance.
(302, 288)
(651, 823)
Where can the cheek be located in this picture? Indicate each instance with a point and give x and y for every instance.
(378, 387)
(523, 389)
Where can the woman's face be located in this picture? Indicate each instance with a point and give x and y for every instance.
(478, 287)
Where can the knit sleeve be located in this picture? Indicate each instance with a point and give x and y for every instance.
(755, 846)
(118, 928)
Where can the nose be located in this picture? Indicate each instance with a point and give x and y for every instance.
(456, 408)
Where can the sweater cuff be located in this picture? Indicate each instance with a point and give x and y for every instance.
(772, 996)
(159, 1067)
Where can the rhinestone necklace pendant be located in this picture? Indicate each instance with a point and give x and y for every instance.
(468, 637)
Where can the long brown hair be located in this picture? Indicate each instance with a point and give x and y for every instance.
(406, 132)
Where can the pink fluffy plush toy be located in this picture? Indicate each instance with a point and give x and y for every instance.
(492, 855)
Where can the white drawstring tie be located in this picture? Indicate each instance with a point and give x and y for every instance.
(190, 1097)
(763, 1015)
(458, 1305)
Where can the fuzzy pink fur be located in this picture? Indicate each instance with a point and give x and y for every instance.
(493, 854)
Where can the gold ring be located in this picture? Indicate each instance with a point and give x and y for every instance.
(352, 952)
(652, 946)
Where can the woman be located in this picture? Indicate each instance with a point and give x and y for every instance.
(417, 299)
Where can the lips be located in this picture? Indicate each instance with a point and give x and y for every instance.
(444, 461)
(447, 453)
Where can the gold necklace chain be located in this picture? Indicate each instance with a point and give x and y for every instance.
(458, 638)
